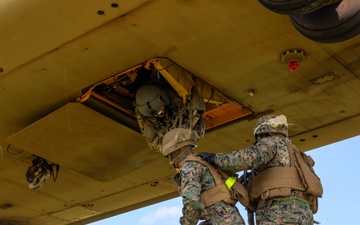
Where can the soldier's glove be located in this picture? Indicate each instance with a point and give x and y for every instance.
(208, 157)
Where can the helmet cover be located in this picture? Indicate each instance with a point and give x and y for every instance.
(177, 138)
(271, 124)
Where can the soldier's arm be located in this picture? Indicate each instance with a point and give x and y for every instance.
(258, 154)
(148, 131)
(191, 174)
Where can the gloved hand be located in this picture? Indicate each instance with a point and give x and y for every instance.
(208, 157)
(192, 212)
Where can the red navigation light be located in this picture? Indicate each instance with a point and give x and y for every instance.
(293, 58)
(293, 65)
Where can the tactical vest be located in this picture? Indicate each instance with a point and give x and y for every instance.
(222, 191)
(281, 181)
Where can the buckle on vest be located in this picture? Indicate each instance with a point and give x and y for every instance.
(265, 195)
(291, 201)
(230, 182)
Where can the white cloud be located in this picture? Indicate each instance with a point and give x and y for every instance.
(160, 214)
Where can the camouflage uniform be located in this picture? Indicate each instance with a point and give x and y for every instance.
(151, 130)
(192, 179)
(268, 151)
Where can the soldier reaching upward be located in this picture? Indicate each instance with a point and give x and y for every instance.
(283, 187)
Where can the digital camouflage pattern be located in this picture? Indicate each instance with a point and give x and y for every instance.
(284, 214)
(192, 179)
(266, 152)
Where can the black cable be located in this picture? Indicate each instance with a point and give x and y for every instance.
(57, 167)
(13, 153)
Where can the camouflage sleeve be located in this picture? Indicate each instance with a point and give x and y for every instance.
(140, 120)
(258, 154)
(191, 173)
(147, 129)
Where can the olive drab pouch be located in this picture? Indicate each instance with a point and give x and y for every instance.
(304, 164)
(313, 186)
(275, 182)
(314, 204)
(241, 194)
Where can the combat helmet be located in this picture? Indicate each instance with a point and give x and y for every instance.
(271, 124)
(177, 138)
(151, 100)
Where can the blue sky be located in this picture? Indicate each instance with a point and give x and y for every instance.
(337, 165)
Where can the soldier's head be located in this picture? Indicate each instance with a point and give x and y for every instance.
(178, 142)
(151, 100)
(271, 124)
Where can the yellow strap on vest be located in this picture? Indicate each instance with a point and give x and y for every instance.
(230, 182)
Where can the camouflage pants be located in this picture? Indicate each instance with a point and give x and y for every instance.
(271, 214)
(222, 214)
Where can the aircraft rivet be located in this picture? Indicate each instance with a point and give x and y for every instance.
(251, 92)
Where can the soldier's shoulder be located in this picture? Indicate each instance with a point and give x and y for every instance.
(192, 164)
(192, 169)
(272, 139)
